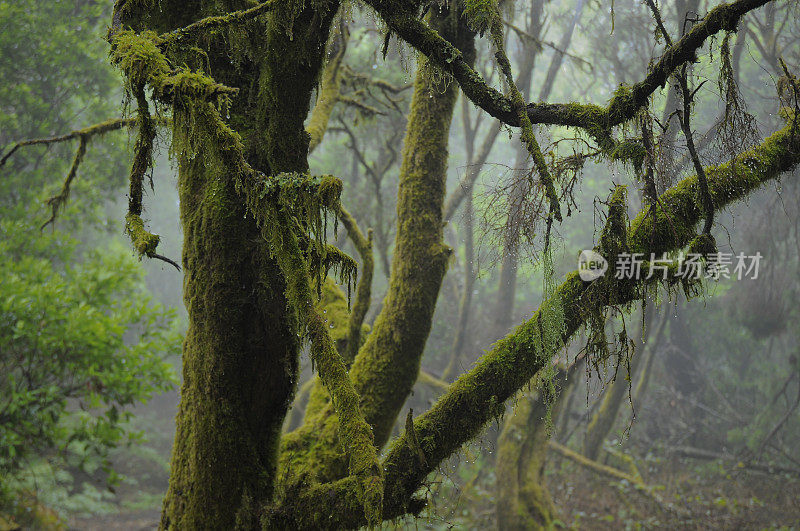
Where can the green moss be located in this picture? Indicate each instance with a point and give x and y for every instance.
(387, 365)
(327, 96)
(144, 242)
(334, 310)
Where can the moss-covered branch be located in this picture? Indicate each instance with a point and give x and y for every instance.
(57, 201)
(476, 397)
(607, 471)
(87, 132)
(364, 290)
(142, 62)
(327, 93)
(355, 435)
(518, 104)
(621, 108)
(215, 22)
(386, 367)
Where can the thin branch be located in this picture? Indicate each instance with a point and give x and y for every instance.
(527, 36)
(684, 117)
(612, 473)
(364, 290)
(698, 453)
(208, 23)
(57, 201)
(780, 423)
(87, 132)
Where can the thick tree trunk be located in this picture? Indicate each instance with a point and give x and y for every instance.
(239, 362)
(240, 358)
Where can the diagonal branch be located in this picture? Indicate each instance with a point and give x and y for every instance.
(236, 17)
(477, 397)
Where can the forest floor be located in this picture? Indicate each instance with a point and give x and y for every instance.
(691, 495)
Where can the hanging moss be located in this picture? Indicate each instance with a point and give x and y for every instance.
(486, 13)
(143, 241)
(59, 200)
(327, 94)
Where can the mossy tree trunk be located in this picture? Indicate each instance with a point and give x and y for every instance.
(240, 357)
(523, 500)
(387, 366)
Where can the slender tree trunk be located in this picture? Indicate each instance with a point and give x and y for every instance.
(523, 500)
(387, 366)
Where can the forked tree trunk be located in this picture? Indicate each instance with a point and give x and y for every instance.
(523, 500)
